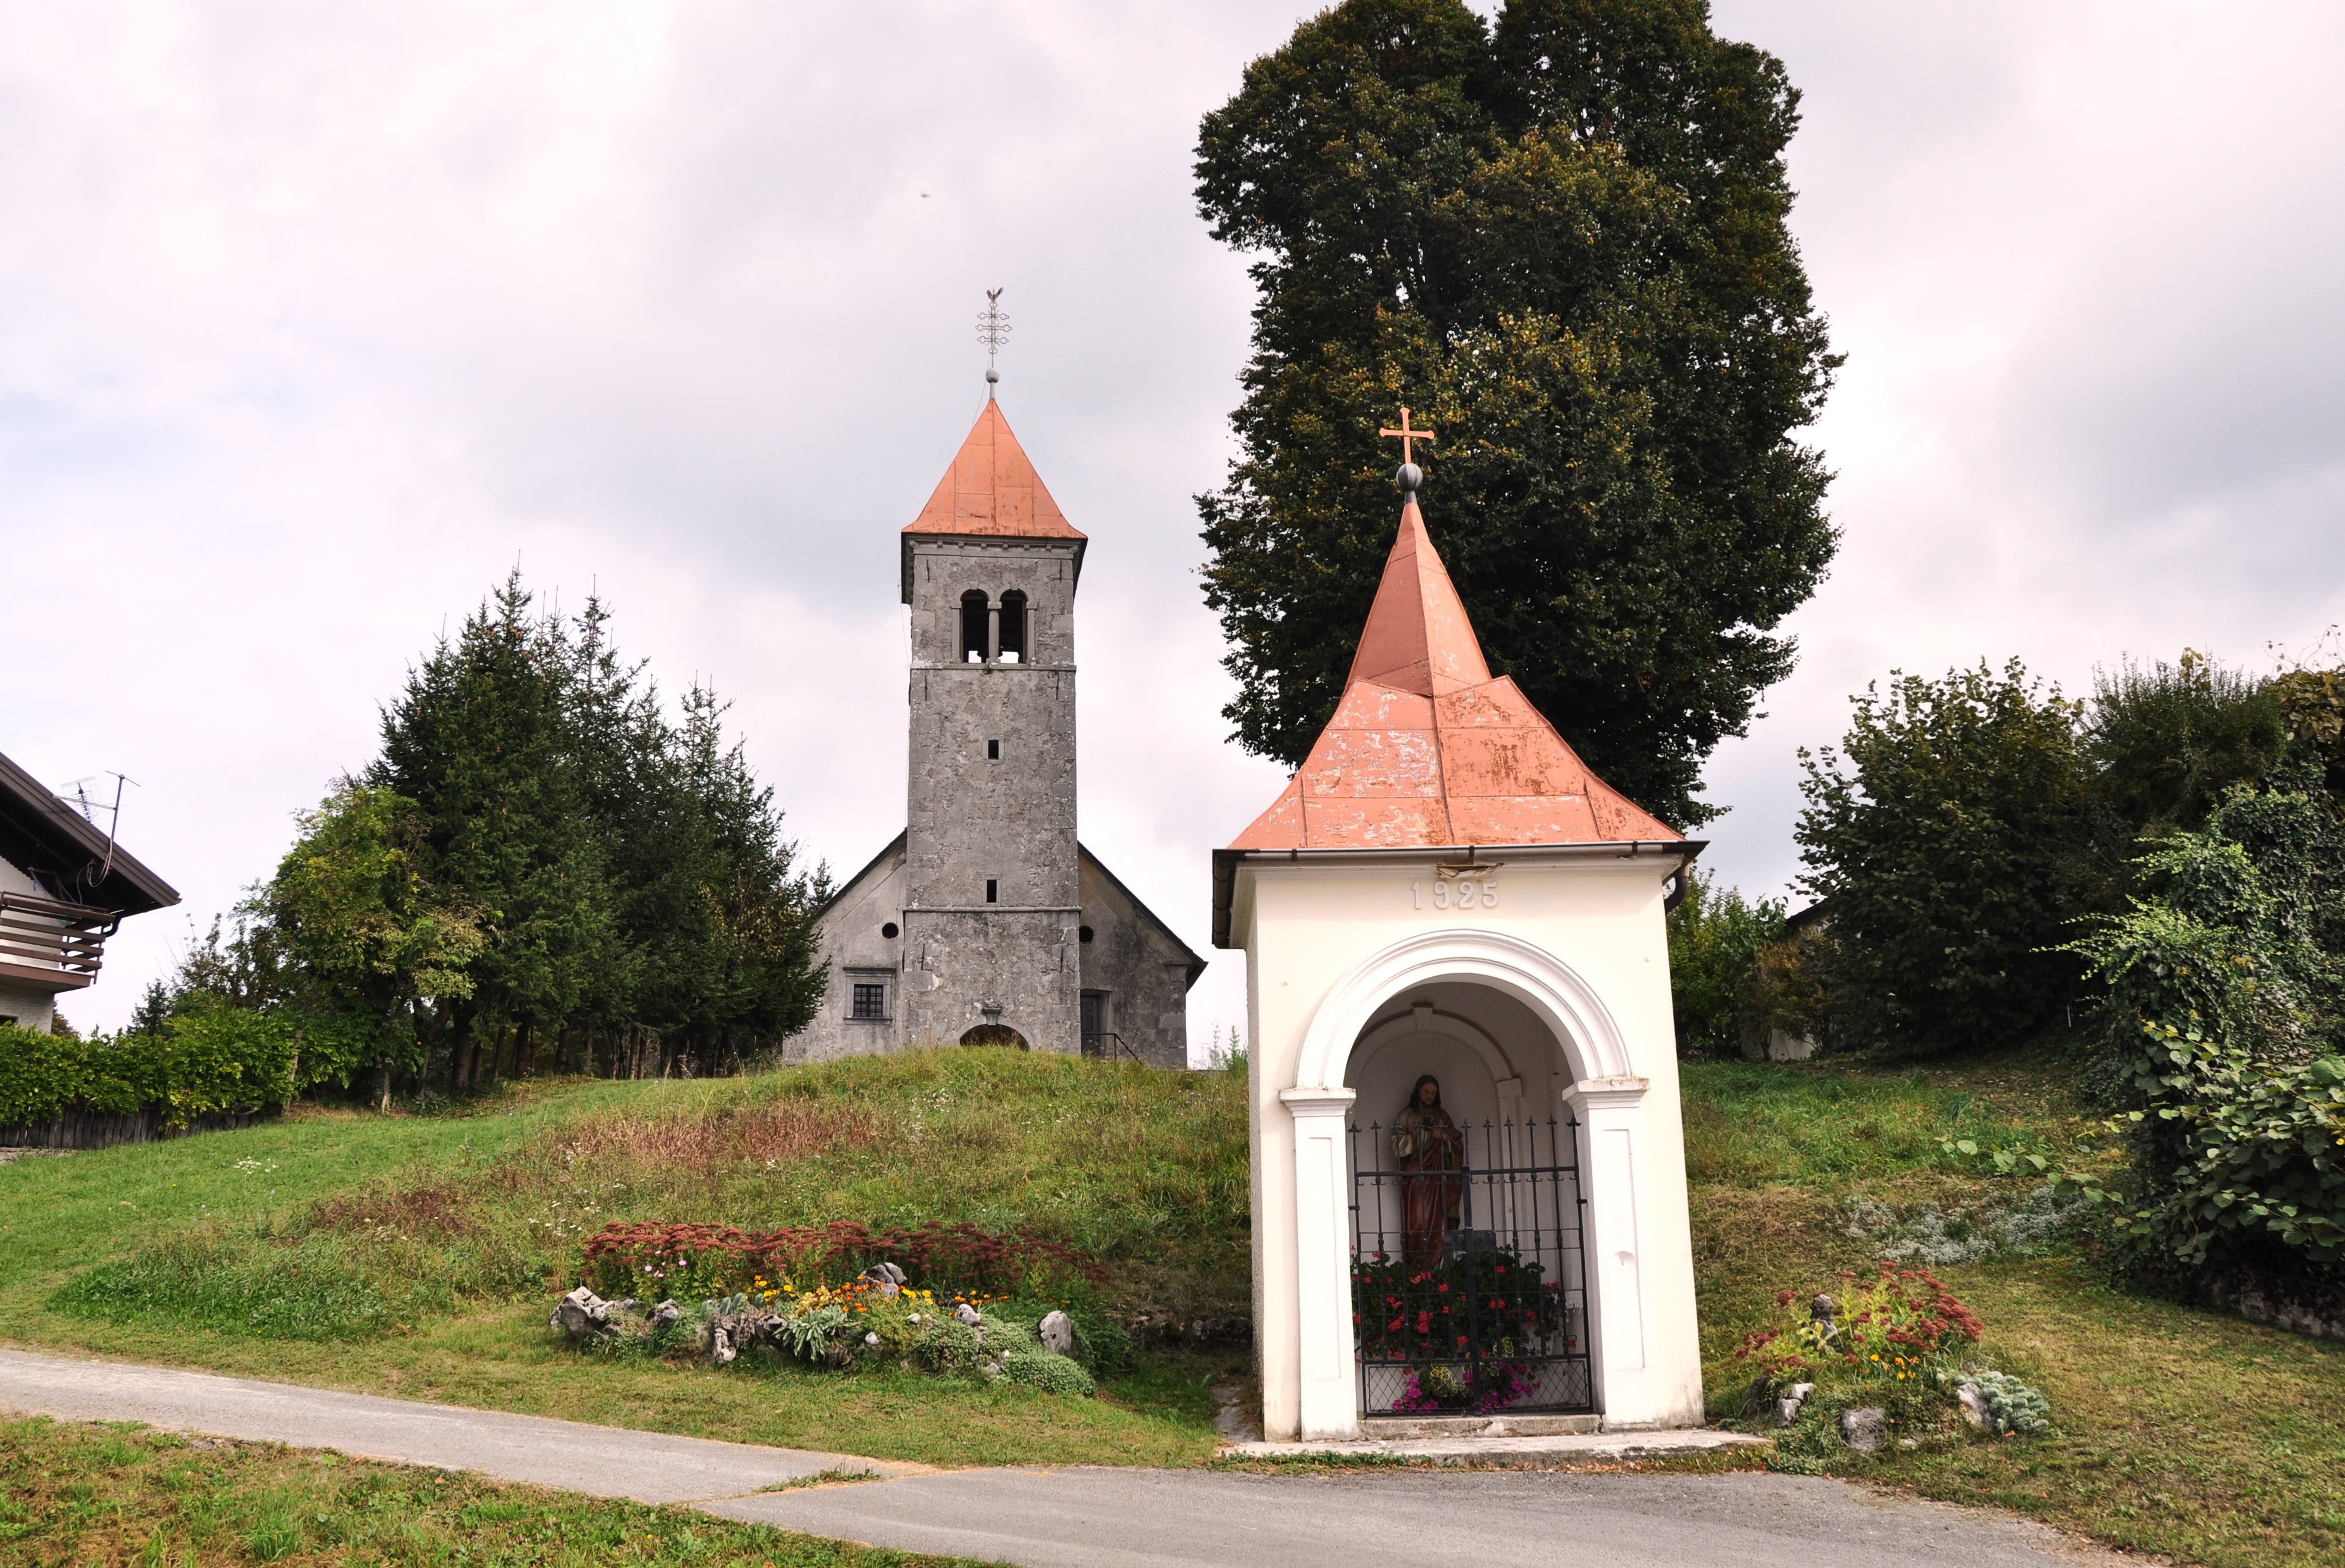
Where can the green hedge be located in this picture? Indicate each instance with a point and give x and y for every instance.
(218, 1059)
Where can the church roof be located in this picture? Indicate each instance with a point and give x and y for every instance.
(992, 490)
(1427, 750)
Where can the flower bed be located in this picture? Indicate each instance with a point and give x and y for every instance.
(778, 1297)
(1463, 1325)
(1898, 1349)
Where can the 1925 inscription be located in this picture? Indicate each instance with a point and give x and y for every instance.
(1465, 892)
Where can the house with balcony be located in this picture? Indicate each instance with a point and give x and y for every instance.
(64, 888)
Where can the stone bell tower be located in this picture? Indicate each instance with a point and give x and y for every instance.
(993, 891)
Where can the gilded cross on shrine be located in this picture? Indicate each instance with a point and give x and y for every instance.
(1407, 435)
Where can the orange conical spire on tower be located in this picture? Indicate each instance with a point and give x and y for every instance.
(1427, 750)
(993, 489)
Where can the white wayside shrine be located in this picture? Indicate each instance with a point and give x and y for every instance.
(1469, 1194)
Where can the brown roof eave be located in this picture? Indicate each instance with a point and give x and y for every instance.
(30, 811)
(1681, 852)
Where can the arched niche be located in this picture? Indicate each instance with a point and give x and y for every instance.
(1562, 1000)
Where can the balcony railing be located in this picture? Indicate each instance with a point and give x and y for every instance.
(50, 942)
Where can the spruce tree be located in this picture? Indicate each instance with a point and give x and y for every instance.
(1563, 241)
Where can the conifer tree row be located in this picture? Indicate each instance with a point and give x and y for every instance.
(543, 869)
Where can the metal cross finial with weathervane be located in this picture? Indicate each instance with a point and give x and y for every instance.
(993, 331)
(1410, 476)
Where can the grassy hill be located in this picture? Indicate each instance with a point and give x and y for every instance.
(416, 1255)
(419, 1255)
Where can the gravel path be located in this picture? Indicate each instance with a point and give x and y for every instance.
(1095, 1517)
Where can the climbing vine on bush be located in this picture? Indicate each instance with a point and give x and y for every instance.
(2226, 1002)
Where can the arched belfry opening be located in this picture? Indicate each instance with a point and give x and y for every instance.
(1013, 627)
(1463, 1077)
(973, 617)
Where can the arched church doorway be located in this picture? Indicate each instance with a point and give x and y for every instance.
(1467, 1253)
(995, 1034)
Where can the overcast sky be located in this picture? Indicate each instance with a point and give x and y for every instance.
(316, 319)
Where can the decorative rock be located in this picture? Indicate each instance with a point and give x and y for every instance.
(1795, 1398)
(666, 1313)
(913, 1317)
(1867, 1429)
(872, 1337)
(581, 1314)
(968, 1314)
(1822, 1313)
(1973, 1399)
(887, 1276)
(990, 1368)
(1056, 1333)
(720, 1347)
(1759, 1397)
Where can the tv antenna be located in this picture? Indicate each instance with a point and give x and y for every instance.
(82, 801)
(993, 331)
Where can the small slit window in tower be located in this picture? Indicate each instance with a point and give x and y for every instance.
(993, 751)
(992, 891)
(1013, 627)
(972, 627)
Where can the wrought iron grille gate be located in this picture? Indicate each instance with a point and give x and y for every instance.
(1469, 1291)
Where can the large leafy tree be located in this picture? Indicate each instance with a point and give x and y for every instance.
(362, 937)
(1943, 837)
(1562, 241)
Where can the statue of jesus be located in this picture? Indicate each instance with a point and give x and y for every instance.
(1432, 1155)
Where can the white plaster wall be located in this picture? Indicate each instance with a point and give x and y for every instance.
(1305, 925)
(31, 1010)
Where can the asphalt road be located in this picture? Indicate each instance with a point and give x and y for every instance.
(1094, 1516)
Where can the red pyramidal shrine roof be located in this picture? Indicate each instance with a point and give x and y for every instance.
(993, 489)
(1427, 750)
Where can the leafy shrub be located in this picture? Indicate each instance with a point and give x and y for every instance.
(1715, 942)
(213, 1058)
(1047, 1371)
(2226, 998)
(2166, 742)
(1946, 855)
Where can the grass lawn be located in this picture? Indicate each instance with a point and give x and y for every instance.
(81, 1494)
(417, 1256)
(2177, 1431)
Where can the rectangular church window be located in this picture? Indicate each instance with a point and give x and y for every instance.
(992, 891)
(870, 999)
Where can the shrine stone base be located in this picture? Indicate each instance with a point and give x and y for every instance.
(1391, 1429)
(1545, 1453)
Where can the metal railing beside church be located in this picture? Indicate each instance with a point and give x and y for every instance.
(1468, 1284)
